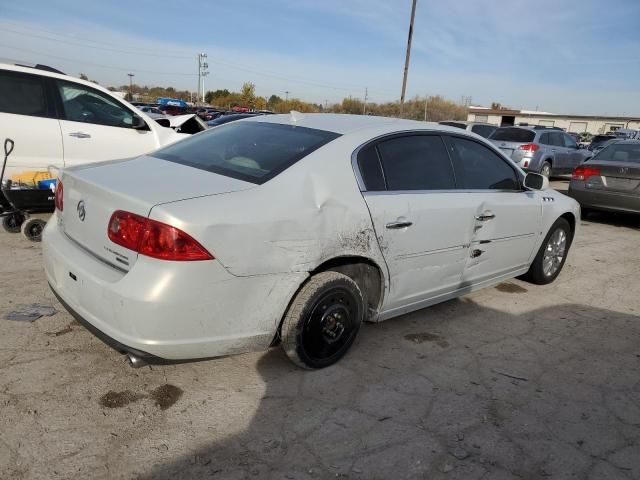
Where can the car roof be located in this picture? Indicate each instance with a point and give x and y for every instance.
(345, 123)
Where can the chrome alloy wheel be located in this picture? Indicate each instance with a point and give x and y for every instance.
(554, 252)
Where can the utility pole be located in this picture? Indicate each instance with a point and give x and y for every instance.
(131, 75)
(203, 71)
(406, 60)
(364, 107)
(426, 100)
(286, 100)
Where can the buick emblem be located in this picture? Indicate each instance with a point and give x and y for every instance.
(81, 211)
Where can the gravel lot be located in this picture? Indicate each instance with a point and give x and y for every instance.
(517, 381)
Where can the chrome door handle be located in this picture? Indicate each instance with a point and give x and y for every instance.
(79, 135)
(396, 225)
(485, 216)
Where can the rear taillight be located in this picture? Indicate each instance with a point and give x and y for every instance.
(154, 239)
(529, 147)
(583, 173)
(58, 201)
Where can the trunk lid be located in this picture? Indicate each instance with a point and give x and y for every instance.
(93, 192)
(615, 176)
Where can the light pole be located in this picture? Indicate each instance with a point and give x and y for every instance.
(131, 75)
(406, 60)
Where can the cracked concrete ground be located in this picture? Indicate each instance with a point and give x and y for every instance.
(519, 381)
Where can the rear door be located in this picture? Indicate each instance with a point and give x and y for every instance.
(424, 227)
(97, 127)
(28, 117)
(507, 219)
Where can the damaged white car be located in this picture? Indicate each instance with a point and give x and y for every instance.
(293, 230)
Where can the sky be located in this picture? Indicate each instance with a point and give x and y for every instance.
(562, 56)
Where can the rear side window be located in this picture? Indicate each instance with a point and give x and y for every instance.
(251, 151)
(483, 130)
(479, 168)
(556, 138)
(418, 162)
(520, 135)
(22, 94)
(371, 169)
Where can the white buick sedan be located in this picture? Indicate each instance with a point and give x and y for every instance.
(292, 230)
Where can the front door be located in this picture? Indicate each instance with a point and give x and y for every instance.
(423, 226)
(507, 218)
(96, 127)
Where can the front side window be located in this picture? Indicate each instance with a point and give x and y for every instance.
(569, 142)
(84, 104)
(251, 151)
(479, 168)
(417, 162)
(22, 94)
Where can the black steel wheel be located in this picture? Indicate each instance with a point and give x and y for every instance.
(12, 222)
(32, 229)
(323, 320)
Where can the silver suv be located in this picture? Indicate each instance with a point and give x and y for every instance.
(544, 150)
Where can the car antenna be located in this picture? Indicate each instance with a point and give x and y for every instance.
(294, 116)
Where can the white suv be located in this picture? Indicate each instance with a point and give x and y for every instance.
(55, 119)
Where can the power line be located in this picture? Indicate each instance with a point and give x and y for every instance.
(112, 67)
(220, 62)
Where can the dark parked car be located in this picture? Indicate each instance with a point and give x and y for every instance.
(610, 180)
(598, 140)
(544, 150)
(230, 118)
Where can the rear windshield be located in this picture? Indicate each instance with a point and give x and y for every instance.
(251, 151)
(619, 152)
(519, 135)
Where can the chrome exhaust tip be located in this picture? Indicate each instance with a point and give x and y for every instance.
(135, 362)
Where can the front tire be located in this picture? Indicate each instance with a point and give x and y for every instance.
(553, 252)
(323, 320)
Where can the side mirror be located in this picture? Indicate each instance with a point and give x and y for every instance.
(535, 181)
(137, 122)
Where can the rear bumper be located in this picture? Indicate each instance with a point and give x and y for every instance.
(169, 310)
(603, 200)
(112, 342)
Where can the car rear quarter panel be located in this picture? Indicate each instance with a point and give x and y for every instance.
(310, 213)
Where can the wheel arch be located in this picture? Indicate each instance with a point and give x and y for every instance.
(570, 217)
(366, 272)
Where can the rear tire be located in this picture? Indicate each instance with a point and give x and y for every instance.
(323, 320)
(548, 263)
(12, 222)
(546, 169)
(585, 212)
(32, 229)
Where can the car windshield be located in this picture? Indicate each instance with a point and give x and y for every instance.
(620, 152)
(251, 151)
(519, 135)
